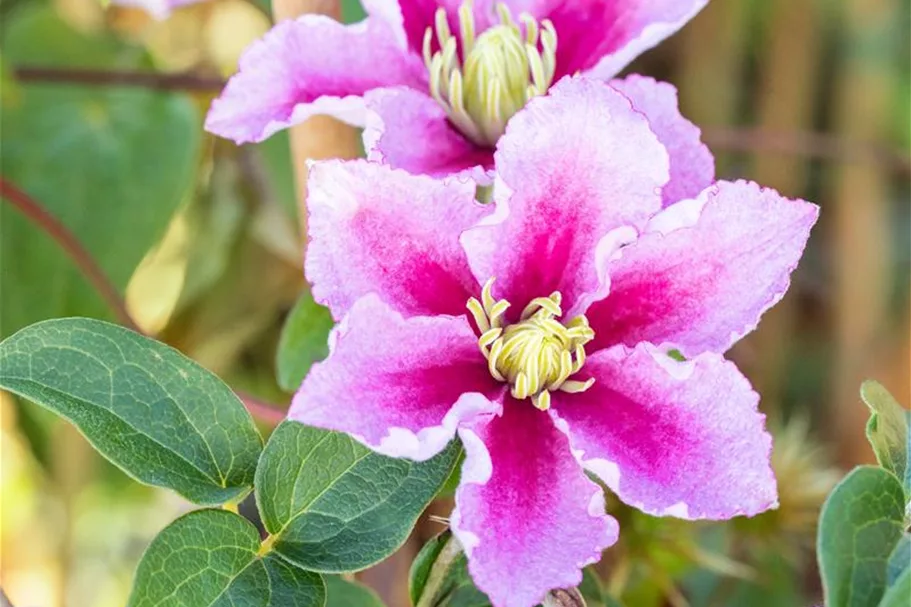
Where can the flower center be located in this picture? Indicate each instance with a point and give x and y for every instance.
(536, 355)
(502, 70)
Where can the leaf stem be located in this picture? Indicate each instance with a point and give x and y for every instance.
(439, 571)
(35, 212)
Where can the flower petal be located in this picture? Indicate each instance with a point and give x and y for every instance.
(692, 164)
(308, 66)
(702, 287)
(400, 386)
(671, 438)
(526, 514)
(603, 36)
(581, 164)
(399, 117)
(374, 229)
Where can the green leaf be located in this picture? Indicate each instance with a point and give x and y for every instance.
(860, 524)
(153, 412)
(900, 559)
(898, 594)
(303, 341)
(210, 558)
(335, 505)
(888, 431)
(342, 593)
(111, 163)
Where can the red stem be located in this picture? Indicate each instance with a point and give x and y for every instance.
(67, 241)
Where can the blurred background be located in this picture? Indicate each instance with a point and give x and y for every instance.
(202, 238)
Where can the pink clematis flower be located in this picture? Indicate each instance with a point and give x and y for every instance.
(537, 328)
(159, 9)
(445, 73)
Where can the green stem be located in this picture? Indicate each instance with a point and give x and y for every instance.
(439, 572)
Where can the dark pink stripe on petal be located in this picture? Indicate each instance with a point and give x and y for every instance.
(526, 514)
(702, 287)
(600, 37)
(400, 386)
(408, 130)
(374, 229)
(670, 438)
(581, 164)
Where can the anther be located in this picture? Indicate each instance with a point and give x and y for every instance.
(496, 73)
(535, 355)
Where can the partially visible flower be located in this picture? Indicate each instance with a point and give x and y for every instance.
(577, 282)
(160, 9)
(434, 81)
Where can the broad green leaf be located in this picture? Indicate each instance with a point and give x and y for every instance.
(888, 431)
(860, 524)
(303, 341)
(899, 594)
(900, 559)
(153, 412)
(111, 163)
(210, 558)
(335, 505)
(342, 593)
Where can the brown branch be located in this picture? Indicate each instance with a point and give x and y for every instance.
(67, 241)
(808, 144)
(153, 80)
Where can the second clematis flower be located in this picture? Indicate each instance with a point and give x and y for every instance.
(538, 328)
(446, 73)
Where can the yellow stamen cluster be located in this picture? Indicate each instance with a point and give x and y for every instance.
(536, 355)
(498, 72)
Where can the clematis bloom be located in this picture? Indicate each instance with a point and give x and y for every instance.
(446, 73)
(537, 328)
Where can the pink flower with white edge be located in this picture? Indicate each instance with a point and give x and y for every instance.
(445, 73)
(537, 328)
(159, 9)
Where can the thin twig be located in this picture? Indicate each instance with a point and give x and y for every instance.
(260, 410)
(67, 241)
(153, 80)
(808, 144)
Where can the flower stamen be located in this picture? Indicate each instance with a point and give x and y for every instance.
(496, 73)
(536, 355)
